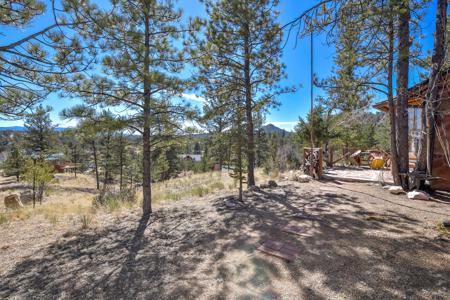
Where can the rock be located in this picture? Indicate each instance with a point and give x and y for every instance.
(284, 177)
(264, 186)
(386, 187)
(303, 178)
(26, 197)
(396, 190)
(418, 195)
(293, 175)
(272, 183)
(254, 188)
(446, 223)
(230, 205)
(13, 201)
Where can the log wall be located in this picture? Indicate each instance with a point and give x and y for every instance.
(441, 166)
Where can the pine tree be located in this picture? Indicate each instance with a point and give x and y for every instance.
(40, 132)
(14, 163)
(237, 135)
(403, 36)
(38, 62)
(140, 63)
(74, 148)
(102, 131)
(242, 44)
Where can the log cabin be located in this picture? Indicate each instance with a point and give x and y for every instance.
(441, 154)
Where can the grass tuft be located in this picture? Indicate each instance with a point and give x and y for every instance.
(3, 218)
(86, 221)
(443, 231)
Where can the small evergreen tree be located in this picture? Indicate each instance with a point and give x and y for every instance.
(38, 173)
(15, 163)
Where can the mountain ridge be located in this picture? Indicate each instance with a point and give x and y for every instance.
(22, 128)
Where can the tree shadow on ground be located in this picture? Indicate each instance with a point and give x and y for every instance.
(209, 251)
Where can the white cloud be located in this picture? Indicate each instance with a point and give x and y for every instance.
(194, 97)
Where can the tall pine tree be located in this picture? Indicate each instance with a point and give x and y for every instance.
(140, 67)
(243, 45)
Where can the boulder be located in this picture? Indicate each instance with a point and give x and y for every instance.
(386, 187)
(26, 197)
(303, 178)
(284, 177)
(396, 190)
(272, 183)
(418, 195)
(446, 223)
(13, 202)
(230, 204)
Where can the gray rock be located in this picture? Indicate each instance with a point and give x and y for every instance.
(396, 190)
(26, 196)
(418, 195)
(303, 178)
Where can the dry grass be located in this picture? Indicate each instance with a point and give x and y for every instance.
(197, 185)
(70, 198)
(66, 197)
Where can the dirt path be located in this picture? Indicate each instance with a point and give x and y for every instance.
(363, 243)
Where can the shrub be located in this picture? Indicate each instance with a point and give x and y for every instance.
(113, 199)
(199, 191)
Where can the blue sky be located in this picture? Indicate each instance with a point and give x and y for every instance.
(296, 58)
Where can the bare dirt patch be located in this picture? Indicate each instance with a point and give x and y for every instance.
(362, 242)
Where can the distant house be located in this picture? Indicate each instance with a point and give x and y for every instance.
(416, 111)
(191, 157)
(58, 161)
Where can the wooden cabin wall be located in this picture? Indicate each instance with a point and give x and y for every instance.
(441, 166)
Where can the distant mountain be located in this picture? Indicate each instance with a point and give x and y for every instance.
(200, 135)
(21, 128)
(270, 129)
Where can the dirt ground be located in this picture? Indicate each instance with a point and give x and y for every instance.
(363, 243)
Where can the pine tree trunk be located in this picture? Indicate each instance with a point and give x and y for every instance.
(121, 162)
(240, 155)
(432, 100)
(107, 161)
(34, 182)
(392, 110)
(249, 112)
(41, 188)
(402, 92)
(75, 160)
(94, 150)
(146, 184)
